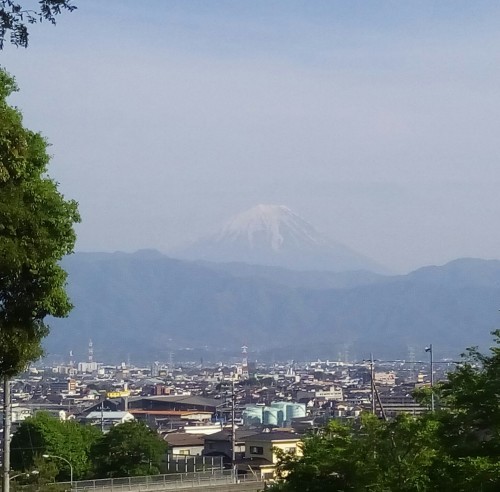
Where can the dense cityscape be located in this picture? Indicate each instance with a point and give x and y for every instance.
(196, 408)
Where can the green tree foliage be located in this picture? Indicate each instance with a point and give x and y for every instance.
(469, 432)
(456, 448)
(129, 449)
(367, 455)
(41, 477)
(47, 471)
(14, 18)
(43, 434)
(36, 231)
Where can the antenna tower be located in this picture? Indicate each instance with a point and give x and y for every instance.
(244, 362)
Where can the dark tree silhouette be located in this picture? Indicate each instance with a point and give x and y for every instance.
(15, 18)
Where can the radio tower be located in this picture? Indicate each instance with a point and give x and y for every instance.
(244, 363)
(91, 351)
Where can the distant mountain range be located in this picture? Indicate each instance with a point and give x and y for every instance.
(146, 304)
(273, 235)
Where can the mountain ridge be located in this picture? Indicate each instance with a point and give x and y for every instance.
(149, 304)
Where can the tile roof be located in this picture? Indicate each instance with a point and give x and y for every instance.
(184, 439)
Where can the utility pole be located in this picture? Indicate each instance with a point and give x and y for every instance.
(429, 349)
(233, 431)
(372, 380)
(6, 434)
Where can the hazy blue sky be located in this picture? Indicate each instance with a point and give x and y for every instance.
(378, 122)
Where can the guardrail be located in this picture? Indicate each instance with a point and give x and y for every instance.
(170, 481)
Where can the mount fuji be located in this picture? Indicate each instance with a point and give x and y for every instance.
(273, 235)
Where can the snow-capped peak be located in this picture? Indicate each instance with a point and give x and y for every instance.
(274, 235)
(271, 226)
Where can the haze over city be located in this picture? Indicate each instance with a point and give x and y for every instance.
(375, 122)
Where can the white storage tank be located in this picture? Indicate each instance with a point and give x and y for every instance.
(295, 410)
(270, 416)
(252, 416)
(281, 406)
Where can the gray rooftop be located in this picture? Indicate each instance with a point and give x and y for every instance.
(225, 435)
(186, 399)
(273, 436)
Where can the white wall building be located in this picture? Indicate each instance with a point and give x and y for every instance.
(334, 393)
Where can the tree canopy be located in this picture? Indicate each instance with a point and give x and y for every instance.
(36, 231)
(43, 434)
(370, 454)
(128, 449)
(469, 431)
(14, 18)
(456, 448)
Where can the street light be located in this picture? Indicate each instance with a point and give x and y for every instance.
(34, 472)
(64, 459)
(19, 475)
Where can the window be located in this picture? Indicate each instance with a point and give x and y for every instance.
(184, 452)
(256, 450)
(291, 450)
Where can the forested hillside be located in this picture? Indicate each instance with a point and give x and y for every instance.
(146, 304)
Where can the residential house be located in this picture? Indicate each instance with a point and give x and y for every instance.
(260, 452)
(220, 444)
(184, 444)
(107, 419)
